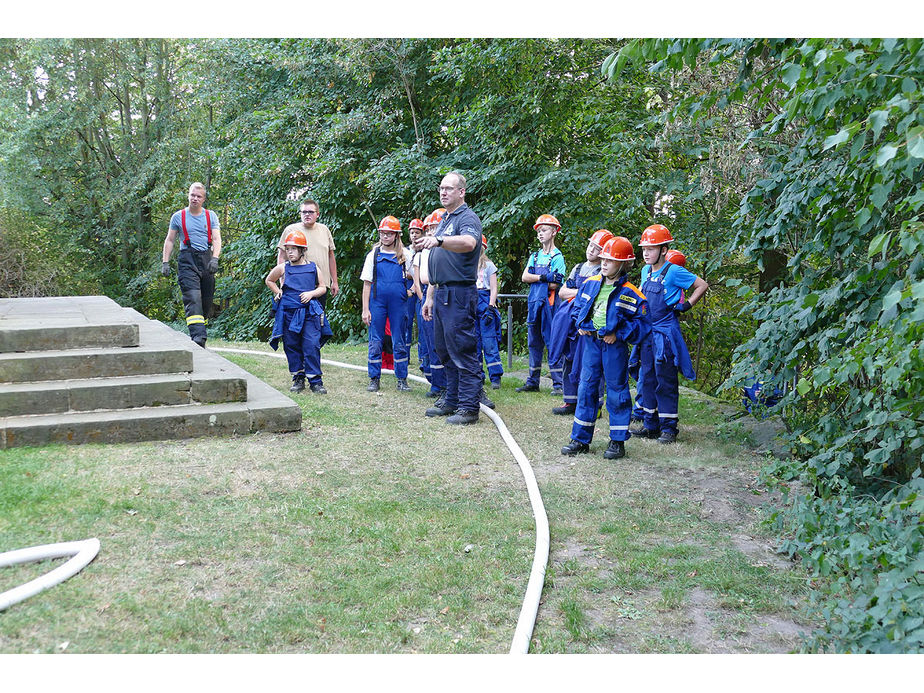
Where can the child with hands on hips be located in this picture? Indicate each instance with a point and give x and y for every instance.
(611, 314)
(300, 320)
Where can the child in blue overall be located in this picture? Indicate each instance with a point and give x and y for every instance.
(489, 318)
(545, 271)
(675, 257)
(665, 354)
(426, 348)
(385, 294)
(300, 320)
(611, 314)
(565, 344)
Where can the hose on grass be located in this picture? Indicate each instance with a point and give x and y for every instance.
(82, 552)
(530, 608)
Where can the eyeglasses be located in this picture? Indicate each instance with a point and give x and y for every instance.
(309, 211)
(447, 188)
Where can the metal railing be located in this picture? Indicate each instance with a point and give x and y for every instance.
(509, 324)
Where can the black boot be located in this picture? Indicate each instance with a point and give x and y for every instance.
(402, 385)
(298, 382)
(642, 432)
(565, 409)
(615, 450)
(527, 388)
(463, 417)
(373, 385)
(483, 398)
(667, 437)
(318, 388)
(574, 447)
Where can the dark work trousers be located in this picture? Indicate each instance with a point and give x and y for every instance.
(198, 287)
(455, 334)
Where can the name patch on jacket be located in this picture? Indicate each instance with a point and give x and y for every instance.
(627, 299)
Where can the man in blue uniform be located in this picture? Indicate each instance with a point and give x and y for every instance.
(197, 261)
(452, 301)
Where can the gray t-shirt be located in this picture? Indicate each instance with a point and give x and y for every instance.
(446, 266)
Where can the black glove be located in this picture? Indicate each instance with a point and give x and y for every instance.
(544, 278)
(554, 278)
(165, 269)
(682, 307)
(213, 265)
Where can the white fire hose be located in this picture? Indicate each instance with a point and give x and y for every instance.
(82, 553)
(530, 608)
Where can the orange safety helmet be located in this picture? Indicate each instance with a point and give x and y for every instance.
(675, 257)
(390, 223)
(484, 242)
(296, 238)
(416, 224)
(656, 234)
(435, 217)
(546, 219)
(601, 237)
(618, 248)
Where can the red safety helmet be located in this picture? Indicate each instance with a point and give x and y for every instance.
(546, 219)
(618, 248)
(390, 223)
(601, 237)
(416, 224)
(296, 238)
(675, 257)
(656, 234)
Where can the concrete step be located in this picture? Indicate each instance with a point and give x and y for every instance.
(274, 413)
(74, 364)
(129, 392)
(55, 323)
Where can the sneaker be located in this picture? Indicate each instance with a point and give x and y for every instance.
(319, 388)
(642, 432)
(373, 385)
(565, 409)
(574, 447)
(615, 450)
(557, 392)
(437, 410)
(402, 385)
(667, 437)
(495, 384)
(528, 388)
(463, 417)
(298, 382)
(483, 398)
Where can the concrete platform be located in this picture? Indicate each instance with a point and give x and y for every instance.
(147, 382)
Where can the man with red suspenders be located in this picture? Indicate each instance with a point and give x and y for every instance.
(197, 261)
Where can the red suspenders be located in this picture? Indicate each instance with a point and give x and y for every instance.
(208, 225)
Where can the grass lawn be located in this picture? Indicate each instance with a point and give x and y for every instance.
(374, 529)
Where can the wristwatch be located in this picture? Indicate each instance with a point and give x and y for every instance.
(439, 241)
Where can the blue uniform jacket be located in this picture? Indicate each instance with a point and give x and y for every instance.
(626, 312)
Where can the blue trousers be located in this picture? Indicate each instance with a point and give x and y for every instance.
(488, 348)
(393, 307)
(602, 360)
(409, 320)
(537, 336)
(303, 351)
(660, 387)
(430, 362)
(455, 333)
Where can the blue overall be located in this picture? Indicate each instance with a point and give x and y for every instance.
(565, 345)
(661, 357)
(489, 336)
(539, 326)
(430, 362)
(303, 328)
(627, 318)
(388, 300)
(409, 318)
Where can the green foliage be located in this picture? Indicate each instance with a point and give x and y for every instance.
(838, 193)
